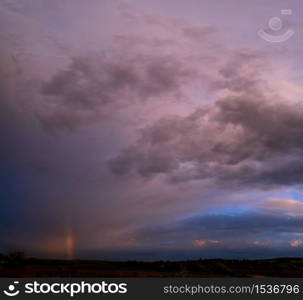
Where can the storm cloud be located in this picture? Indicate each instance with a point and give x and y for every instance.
(249, 134)
(160, 130)
(157, 65)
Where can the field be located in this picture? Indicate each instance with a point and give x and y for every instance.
(279, 267)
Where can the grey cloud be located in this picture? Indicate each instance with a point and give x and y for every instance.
(153, 59)
(92, 82)
(93, 87)
(137, 68)
(251, 134)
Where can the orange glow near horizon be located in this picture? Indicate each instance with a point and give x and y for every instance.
(70, 246)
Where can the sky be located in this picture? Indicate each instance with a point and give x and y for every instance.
(151, 129)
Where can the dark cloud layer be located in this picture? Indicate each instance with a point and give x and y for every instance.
(247, 231)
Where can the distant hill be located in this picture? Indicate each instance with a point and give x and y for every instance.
(278, 267)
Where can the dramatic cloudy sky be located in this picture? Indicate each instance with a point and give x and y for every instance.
(150, 129)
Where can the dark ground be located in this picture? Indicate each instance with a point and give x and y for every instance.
(279, 267)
